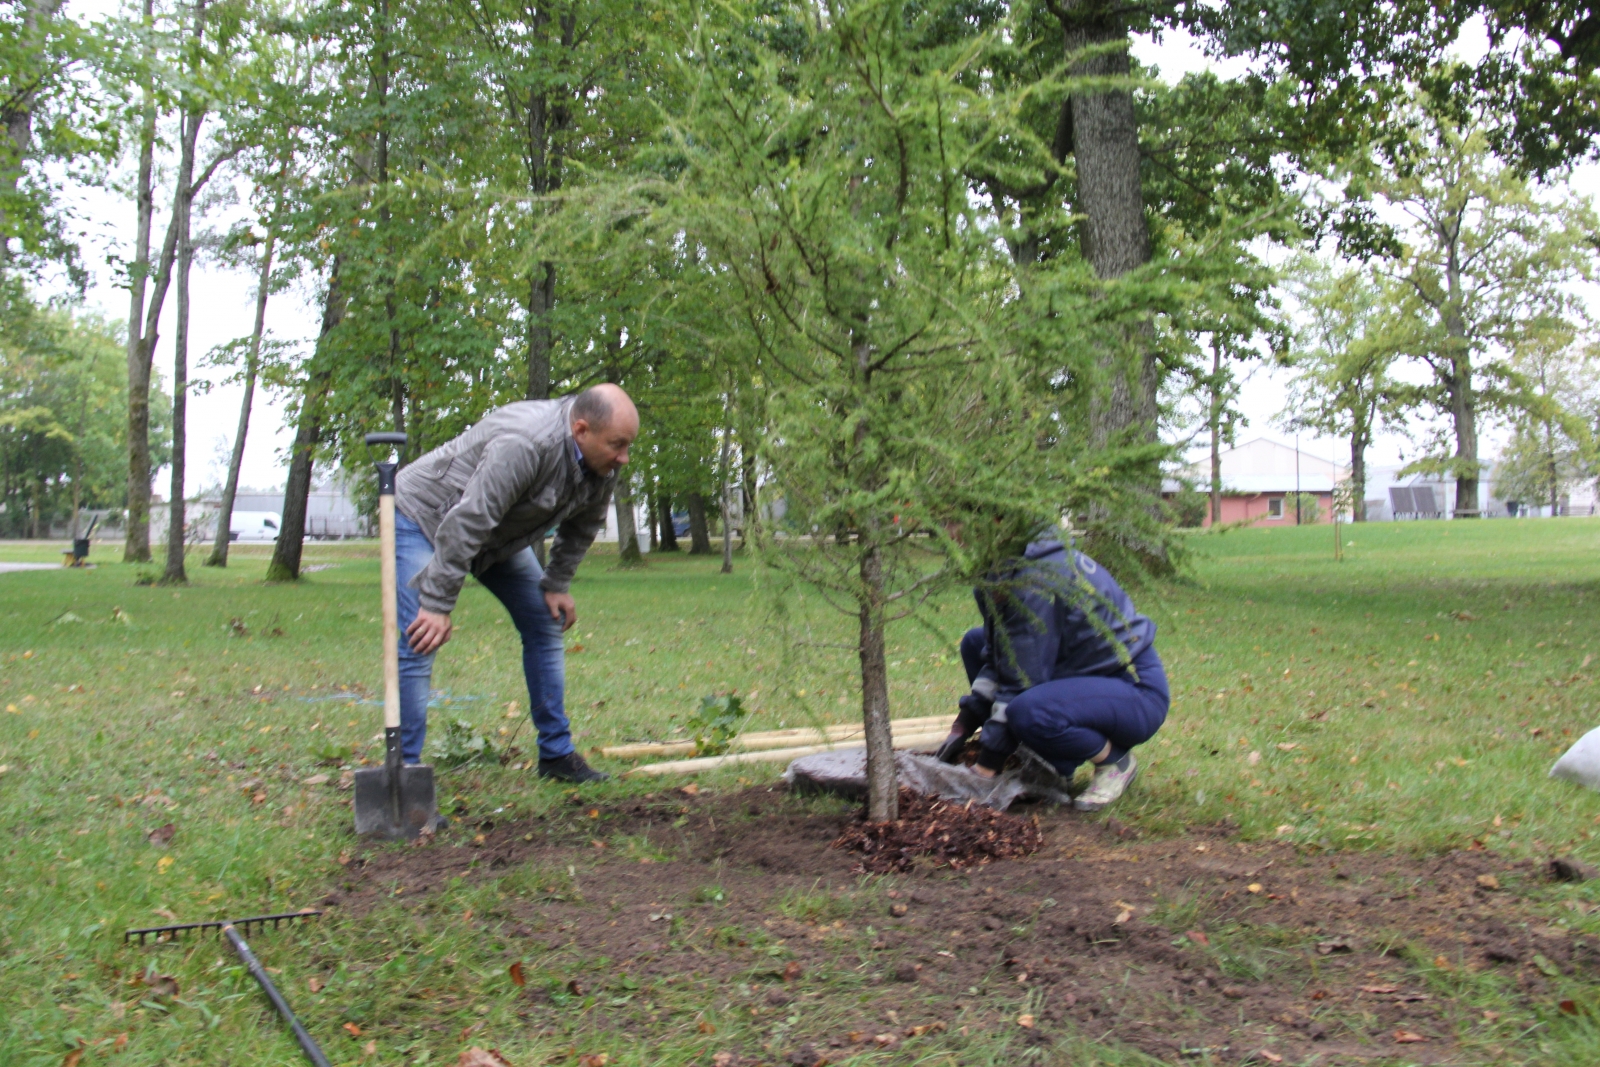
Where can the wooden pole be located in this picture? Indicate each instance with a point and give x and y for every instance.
(924, 741)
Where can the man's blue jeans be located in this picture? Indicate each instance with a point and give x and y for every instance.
(515, 583)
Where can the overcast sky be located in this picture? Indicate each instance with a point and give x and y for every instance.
(223, 308)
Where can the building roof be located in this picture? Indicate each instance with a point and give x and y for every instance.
(1267, 466)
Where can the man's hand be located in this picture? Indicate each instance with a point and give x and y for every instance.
(428, 631)
(562, 607)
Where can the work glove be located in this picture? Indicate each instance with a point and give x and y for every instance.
(995, 744)
(974, 712)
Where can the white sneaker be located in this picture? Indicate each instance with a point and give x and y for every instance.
(1110, 781)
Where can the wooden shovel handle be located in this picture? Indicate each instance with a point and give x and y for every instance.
(391, 614)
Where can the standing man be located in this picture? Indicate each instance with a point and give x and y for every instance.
(476, 505)
(1064, 664)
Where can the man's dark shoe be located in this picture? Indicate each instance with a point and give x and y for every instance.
(571, 768)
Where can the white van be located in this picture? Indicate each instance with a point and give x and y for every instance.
(254, 526)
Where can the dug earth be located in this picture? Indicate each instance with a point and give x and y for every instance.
(1194, 948)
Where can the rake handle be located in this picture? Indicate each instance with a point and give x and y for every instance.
(307, 1043)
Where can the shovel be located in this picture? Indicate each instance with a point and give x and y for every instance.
(393, 801)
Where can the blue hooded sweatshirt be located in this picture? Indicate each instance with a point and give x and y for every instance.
(1057, 614)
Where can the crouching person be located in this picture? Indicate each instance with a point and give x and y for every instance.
(1065, 665)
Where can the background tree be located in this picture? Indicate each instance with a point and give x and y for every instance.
(1343, 360)
(1484, 257)
(1553, 444)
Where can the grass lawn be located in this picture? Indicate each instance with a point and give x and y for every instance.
(1379, 712)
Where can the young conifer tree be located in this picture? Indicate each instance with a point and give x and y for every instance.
(910, 423)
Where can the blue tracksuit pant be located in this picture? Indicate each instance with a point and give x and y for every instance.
(1069, 720)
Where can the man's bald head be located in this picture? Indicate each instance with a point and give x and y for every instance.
(598, 404)
(604, 424)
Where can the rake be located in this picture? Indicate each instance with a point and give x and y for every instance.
(230, 930)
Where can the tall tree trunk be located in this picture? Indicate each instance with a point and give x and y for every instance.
(883, 794)
(285, 565)
(627, 533)
(136, 538)
(219, 550)
(1116, 236)
(747, 486)
(1358, 474)
(541, 301)
(1463, 401)
(1215, 419)
(699, 534)
(183, 209)
(668, 541)
(727, 519)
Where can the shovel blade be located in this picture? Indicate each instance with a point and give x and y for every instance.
(375, 807)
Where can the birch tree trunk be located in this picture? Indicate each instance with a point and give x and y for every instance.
(627, 531)
(230, 490)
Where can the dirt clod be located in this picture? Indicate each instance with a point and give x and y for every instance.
(951, 834)
(1567, 869)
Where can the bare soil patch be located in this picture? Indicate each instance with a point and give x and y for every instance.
(942, 832)
(1184, 947)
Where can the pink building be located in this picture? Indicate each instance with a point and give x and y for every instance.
(1260, 479)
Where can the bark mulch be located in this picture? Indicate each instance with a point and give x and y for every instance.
(939, 833)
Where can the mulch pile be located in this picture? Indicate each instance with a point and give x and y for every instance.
(951, 833)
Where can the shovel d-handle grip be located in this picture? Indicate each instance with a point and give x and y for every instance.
(398, 440)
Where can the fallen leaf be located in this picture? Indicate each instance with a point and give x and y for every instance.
(1286, 828)
(1253, 759)
(927, 1028)
(705, 1027)
(898, 910)
(352, 1029)
(72, 1058)
(1381, 990)
(315, 779)
(1270, 1057)
(1488, 881)
(161, 986)
(593, 1059)
(1254, 887)
(161, 835)
(792, 971)
(575, 988)
(1025, 1021)
(1328, 948)
(1288, 746)
(120, 1043)
(314, 984)
(164, 864)
(1442, 962)
(482, 1057)
(722, 1059)
(690, 790)
(884, 1040)
(517, 977)
(1406, 1037)
(1198, 937)
(1491, 1016)
(371, 1047)
(1569, 1006)
(259, 797)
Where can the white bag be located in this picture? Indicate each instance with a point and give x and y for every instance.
(1581, 762)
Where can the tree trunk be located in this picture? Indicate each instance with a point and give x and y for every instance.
(883, 794)
(727, 518)
(541, 301)
(1116, 234)
(1215, 419)
(669, 532)
(699, 534)
(219, 550)
(285, 565)
(1358, 474)
(1464, 418)
(747, 486)
(136, 538)
(627, 533)
(183, 209)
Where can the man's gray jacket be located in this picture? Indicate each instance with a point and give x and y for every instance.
(496, 489)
